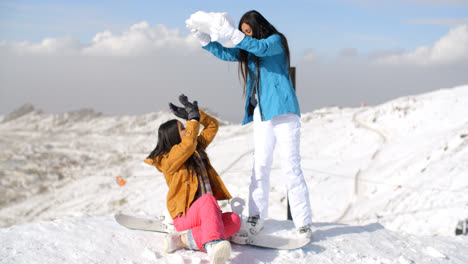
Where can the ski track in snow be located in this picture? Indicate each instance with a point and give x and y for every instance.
(400, 204)
(360, 124)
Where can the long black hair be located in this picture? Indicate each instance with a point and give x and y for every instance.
(168, 136)
(261, 29)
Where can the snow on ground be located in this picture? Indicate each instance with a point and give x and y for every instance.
(99, 239)
(387, 184)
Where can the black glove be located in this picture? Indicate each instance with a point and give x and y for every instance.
(178, 111)
(190, 108)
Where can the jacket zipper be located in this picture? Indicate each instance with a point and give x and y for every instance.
(259, 105)
(187, 193)
(258, 96)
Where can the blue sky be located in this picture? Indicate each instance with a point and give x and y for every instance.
(323, 26)
(65, 55)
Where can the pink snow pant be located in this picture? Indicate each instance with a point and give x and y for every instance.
(207, 222)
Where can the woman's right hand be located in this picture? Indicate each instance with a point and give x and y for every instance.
(203, 38)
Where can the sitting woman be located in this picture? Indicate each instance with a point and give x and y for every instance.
(194, 185)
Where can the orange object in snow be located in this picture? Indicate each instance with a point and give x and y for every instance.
(120, 181)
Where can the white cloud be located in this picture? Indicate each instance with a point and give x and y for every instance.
(63, 45)
(451, 48)
(135, 71)
(139, 39)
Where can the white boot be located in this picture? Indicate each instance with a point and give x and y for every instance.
(219, 252)
(305, 231)
(175, 241)
(253, 225)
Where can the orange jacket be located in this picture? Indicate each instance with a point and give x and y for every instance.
(182, 186)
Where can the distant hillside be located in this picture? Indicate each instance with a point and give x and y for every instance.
(402, 164)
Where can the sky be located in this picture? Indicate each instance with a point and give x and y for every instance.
(133, 57)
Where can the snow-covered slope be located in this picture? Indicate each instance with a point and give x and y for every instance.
(99, 239)
(402, 164)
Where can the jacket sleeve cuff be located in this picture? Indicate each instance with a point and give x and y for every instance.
(237, 37)
(204, 42)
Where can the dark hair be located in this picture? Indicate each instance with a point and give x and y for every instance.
(168, 136)
(261, 29)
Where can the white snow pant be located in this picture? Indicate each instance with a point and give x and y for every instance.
(285, 130)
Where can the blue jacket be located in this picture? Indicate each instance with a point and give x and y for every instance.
(276, 95)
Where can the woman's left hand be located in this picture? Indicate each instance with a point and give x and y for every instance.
(227, 30)
(190, 108)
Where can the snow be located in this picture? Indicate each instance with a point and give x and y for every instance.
(208, 22)
(387, 184)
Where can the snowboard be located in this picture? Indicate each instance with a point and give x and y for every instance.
(267, 238)
(275, 234)
(145, 224)
(262, 239)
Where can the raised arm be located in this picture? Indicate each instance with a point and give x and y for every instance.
(176, 157)
(222, 53)
(209, 132)
(262, 47)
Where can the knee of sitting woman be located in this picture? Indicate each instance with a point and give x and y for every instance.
(237, 221)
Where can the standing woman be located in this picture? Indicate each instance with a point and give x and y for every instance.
(271, 103)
